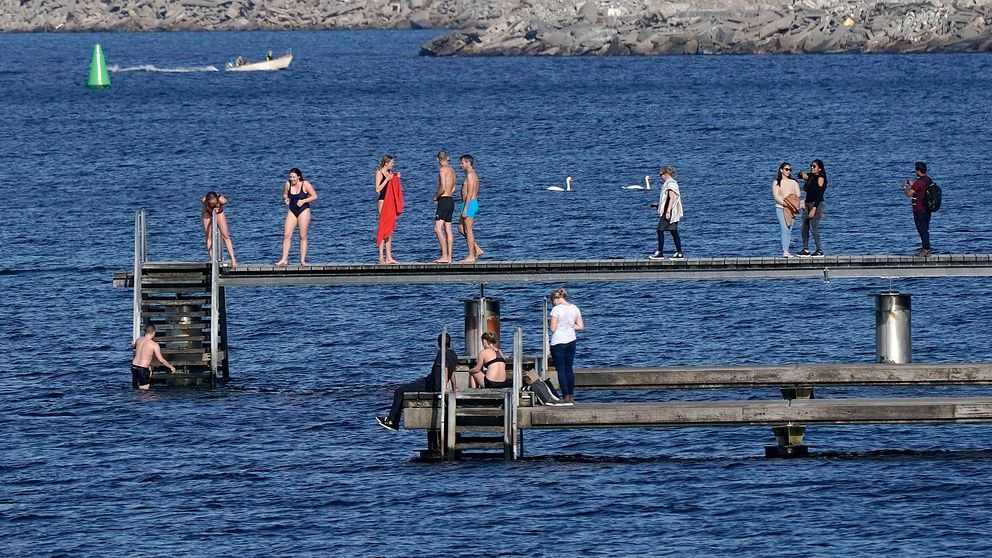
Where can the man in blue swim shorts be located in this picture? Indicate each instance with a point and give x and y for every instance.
(470, 208)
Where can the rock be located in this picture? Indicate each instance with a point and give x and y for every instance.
(589, 12)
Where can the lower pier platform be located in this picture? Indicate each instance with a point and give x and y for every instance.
(738, 413)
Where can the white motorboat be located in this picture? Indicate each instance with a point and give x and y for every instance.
(280, 63)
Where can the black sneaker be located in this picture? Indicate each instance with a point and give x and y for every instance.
(678, 256)
(656, 256)
(387, 424)
(804, 253)
(818, 254)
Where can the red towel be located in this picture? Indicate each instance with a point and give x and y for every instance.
(392, 207)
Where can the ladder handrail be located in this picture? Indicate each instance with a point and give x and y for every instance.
(215, 257)
(444, 385)
(140, 256)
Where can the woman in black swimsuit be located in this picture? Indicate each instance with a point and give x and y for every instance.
(213, 207)
(297, 193)
(492, 360)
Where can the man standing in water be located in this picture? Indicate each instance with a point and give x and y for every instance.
(470, 208)
(141, 366)
(445, 206)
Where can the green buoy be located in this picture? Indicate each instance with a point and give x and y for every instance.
(99, 78)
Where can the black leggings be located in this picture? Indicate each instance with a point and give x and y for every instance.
(675, 237)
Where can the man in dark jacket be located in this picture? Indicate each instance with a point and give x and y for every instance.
(429, 383)
(917, 190)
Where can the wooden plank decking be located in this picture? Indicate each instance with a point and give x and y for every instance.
(741, 413)
(784, 375)
(831, 267)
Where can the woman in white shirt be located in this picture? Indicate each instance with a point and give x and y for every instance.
(670, 213)
(566, 319)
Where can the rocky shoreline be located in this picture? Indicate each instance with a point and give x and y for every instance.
(558, 27)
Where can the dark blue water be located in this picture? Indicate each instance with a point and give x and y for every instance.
(287, 460)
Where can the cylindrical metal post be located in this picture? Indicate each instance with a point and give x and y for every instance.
(893, 324)
(481, 315)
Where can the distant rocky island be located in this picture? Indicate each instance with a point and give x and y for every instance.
(557, 27)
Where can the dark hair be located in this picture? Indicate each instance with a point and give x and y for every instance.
(447, 340)
(490, 337)
(921, 167)
(819, 165)
(778, 177)
(297, 172)
(149, 328)
(211, 198)
(467, 157)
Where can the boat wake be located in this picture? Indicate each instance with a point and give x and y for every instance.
(153, 68)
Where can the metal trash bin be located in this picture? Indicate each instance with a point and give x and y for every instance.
(481, 315)
(893, 324)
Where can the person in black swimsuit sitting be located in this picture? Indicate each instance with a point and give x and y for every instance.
(491, 360)
(297, 193)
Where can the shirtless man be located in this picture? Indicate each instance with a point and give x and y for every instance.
(445, 206)
(470, 208)
(141, 366)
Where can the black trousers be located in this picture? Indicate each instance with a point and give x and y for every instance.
(396, 411)
(922, 220)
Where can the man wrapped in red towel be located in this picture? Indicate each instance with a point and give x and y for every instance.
(392, 207)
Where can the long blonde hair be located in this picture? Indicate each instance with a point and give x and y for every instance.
(386, 159)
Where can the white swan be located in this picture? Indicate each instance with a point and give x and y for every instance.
(567, 188)
(646, 186)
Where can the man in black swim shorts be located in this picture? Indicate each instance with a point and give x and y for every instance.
(145, 348)
(445, 207)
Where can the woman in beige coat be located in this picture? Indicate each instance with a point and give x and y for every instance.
(785, 190)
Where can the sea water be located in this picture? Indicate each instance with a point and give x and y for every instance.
(287, 460)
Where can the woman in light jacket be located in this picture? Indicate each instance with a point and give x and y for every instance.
(566, 319)
(785, 190)
(669, 214)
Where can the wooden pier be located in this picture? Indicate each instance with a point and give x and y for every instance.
(827, 268)
(788, 417)
(186, 300)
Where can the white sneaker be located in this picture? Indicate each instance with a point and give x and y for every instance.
(656, 256)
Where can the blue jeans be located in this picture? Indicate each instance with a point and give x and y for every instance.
(564, 355)
(786, 229)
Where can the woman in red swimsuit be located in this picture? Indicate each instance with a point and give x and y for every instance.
(213, 207)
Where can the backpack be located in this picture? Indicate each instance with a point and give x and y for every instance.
(931, 200)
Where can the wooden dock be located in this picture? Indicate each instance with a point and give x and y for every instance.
(711, 377)
(420, 414)
(827, 268)
(788, 418)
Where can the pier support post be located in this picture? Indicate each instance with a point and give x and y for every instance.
(788, 441)
(481, 315)
(796, 392)
(450, 426)
(893, 323)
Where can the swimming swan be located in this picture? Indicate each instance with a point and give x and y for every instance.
(567, 188)
(646, 186)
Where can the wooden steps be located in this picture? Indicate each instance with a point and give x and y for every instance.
(175, 297)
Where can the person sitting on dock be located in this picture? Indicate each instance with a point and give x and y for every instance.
(430, 383)
(490, 359)
(141, 365)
